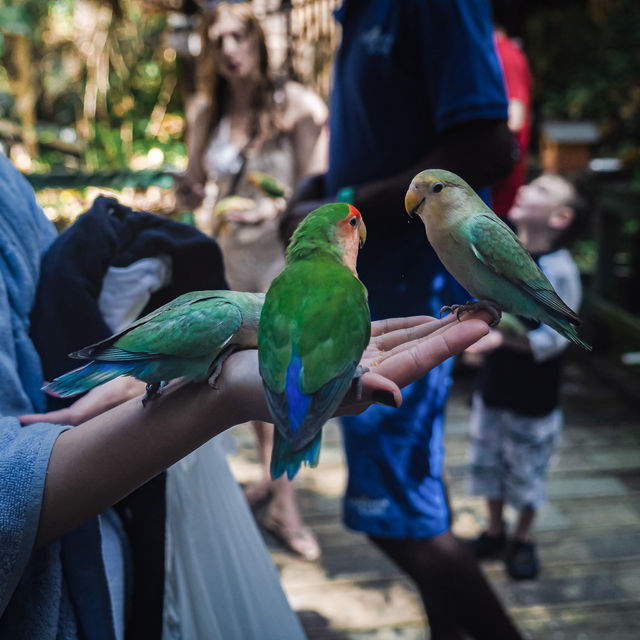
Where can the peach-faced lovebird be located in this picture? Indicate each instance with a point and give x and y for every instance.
(188, 337)
(314, 327)
(484, 255)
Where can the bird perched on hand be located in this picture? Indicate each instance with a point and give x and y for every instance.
(484, 255)
(315, 325)
(189, 337)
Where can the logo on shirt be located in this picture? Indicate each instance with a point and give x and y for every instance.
(369, 506)
(375, 42)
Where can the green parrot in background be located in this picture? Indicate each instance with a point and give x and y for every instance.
(315, 325)
(267, 184)
(482, 253)
(188, 337)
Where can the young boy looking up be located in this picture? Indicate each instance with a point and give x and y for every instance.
(516, 420)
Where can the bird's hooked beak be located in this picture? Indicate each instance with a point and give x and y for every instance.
(413, 201)
(362, 233)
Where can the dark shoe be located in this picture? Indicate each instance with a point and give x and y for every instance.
(522, 560)
(486, 546)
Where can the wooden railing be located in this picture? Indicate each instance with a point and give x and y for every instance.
(612, 295)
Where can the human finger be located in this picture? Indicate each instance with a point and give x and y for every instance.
(412, 361)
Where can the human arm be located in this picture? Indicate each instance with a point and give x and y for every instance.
(451, 114)
(190, 185)
(103, 459)
(479, 150)
(310, 135)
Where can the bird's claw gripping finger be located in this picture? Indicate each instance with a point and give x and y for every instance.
(216, 366)
(357, 380)
(450, 309)
(472, 305)
(154, 390)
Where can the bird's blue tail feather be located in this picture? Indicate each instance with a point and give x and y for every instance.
(85, 378)
(284, 459)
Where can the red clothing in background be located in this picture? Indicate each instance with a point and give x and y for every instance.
(518, 83)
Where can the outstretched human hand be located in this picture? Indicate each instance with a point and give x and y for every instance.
(97, 401)
(402, 350)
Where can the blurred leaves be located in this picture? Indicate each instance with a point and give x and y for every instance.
(588, 67)
(101, 75)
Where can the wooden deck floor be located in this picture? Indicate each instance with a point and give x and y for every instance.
(588, 534)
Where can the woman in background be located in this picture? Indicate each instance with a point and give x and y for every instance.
(239, 121)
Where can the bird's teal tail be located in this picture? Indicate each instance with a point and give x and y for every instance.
(85, 378)
(569, 331)
(283, 459)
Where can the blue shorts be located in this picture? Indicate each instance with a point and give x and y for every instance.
(395, 459)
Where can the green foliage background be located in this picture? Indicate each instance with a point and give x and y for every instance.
(587, 67)
(141, 76)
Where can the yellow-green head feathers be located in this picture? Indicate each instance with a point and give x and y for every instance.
(336, 229)
(436, 192)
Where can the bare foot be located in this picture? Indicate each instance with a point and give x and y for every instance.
(258, 493)
(299, 539)
(284, 522)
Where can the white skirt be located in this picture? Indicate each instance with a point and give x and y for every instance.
(220, 581)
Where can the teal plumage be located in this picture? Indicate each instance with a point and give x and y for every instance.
(188, 337)
(483, 254)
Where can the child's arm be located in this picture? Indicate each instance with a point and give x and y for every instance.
(563, 274)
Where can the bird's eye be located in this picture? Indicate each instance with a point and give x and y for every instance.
(437, 187)
(353, 221)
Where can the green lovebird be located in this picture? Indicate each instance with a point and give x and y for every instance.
(484, 255)
(189, 337)
(315, 325)
(267, 184)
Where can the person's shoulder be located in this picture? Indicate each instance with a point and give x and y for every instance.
(303, 102)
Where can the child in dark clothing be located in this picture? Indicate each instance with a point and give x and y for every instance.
(517, 421)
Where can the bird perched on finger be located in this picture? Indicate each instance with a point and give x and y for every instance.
(484, 255)
(189, 337)
(315, 325)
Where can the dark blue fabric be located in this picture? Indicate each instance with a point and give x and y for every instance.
(396, 458)
(66, 317)
(406, 71)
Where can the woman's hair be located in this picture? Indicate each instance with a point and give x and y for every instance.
(213, 84)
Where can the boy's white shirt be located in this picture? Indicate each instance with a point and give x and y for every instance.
(563, 274)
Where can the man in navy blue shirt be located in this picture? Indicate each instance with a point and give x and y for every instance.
(417, 85)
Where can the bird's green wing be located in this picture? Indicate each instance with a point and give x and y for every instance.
(499, 249)
(191, 326)
(314, 327)
(328, 330)
(333, 331)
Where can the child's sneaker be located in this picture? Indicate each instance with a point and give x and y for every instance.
(486, 546)
(522, 560)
